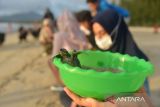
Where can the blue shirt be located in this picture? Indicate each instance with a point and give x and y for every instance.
(104, 5)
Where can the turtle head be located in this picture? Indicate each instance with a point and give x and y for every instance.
(64, 53)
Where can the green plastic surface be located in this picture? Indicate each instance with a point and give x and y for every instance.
(100, 85)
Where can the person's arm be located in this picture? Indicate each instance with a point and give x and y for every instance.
(87, 102)
(90, 102)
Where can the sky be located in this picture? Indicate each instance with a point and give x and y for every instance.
(8, 7)
(11, 7)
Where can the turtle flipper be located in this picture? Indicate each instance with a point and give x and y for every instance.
(75, 59)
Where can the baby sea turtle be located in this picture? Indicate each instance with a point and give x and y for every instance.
(70, 58)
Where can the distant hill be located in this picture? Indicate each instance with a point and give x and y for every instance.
(22, 17)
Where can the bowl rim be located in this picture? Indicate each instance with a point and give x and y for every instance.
(148, 71)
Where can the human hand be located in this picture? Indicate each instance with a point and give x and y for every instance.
(86, 102)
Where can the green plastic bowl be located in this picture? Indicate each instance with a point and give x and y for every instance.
(100, 85)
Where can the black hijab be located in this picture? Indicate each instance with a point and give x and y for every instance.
(123, 41)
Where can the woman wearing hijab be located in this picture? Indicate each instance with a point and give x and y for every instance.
(71, 38)
(111, 34)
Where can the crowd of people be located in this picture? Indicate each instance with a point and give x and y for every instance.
(102, 28)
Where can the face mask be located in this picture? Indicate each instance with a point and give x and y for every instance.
(105, 42)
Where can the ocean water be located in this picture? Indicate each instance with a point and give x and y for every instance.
(13, 27)
(9, 8)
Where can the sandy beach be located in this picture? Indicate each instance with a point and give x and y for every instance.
(25, 75)
(24, 71)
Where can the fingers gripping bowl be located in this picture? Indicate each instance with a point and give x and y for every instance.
(100, 85)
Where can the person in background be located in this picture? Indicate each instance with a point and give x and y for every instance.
(2, 38)
(46, 36)
(48, 15)
(35, 30)
(84, 18)
(93, 6)
(22, 34)
(70, 37)
(111, 34)
(97, 6)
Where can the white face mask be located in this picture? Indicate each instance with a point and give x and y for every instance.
(105, 42)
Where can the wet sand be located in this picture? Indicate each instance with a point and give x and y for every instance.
(24, 72)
